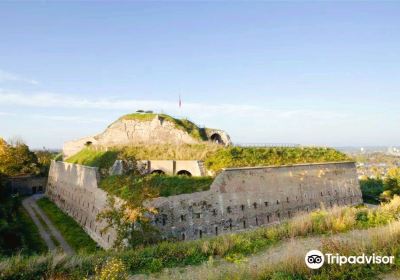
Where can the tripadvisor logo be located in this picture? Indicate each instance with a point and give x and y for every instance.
(315, 259)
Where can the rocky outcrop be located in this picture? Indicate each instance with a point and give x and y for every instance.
(154, 129)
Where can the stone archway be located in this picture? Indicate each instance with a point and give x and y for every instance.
(158, 172)
(216, 138)
(184, 173)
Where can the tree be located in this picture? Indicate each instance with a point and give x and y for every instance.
(391, 184)
(17, 159)
(131, 222)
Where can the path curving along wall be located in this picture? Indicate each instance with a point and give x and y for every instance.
(74, 189)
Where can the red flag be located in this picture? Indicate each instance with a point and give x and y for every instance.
(180, 101)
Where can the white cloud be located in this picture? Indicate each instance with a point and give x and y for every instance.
(77, 116)
(206, 111)
(11, 77)
(244, 122)
(80, 119)
(6, 114)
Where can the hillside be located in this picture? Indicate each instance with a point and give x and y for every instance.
(183, 124)
(216, 157)
(142, 129)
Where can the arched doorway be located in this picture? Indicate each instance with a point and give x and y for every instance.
(184, 173)
(158, 171)
(216, 138)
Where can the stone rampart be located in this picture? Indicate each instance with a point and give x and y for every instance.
(242, 198)
(238, 199)
(74, 189)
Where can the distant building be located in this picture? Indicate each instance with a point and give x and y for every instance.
(28, 184)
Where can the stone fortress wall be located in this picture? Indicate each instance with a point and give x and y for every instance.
(238, 199)
(169, 167)
(242, 198)
(74, 188)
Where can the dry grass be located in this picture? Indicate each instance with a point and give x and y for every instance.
(170, 152)
(287, 260)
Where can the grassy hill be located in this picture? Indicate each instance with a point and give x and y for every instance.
(215, 156)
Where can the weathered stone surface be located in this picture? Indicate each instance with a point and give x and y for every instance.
(28, 184)
(117, 168)
(74, 189)
(242, 198)
(239, 198)
(137, 132)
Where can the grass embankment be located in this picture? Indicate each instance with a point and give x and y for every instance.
(230, 246)
(215, 156)
(129, 187)
(76, 237)
(248, 156)
(33, 243)
(94, 158)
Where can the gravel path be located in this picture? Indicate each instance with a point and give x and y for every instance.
(45, 232)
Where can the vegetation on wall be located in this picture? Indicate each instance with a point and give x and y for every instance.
(95, 158)
(215, 156)
(131, 217)
(130, 187)
(171, 152)
(243, 157)
(231, 247)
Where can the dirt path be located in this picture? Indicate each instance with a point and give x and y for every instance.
(292, 251)
(48, 231)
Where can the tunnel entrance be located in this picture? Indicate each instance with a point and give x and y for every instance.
(216, 138)
(158, 171)
(184, 173)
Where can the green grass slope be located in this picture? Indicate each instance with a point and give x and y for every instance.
(130, 187)
(215, 156)
(247, 157)
(94, 158)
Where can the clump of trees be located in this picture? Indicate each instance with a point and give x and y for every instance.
(16, 159)
(381, 189)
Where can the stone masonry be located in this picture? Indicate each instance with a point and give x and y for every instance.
(238, 199)
(125, 132)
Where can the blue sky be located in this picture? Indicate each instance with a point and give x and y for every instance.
(293, 72)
